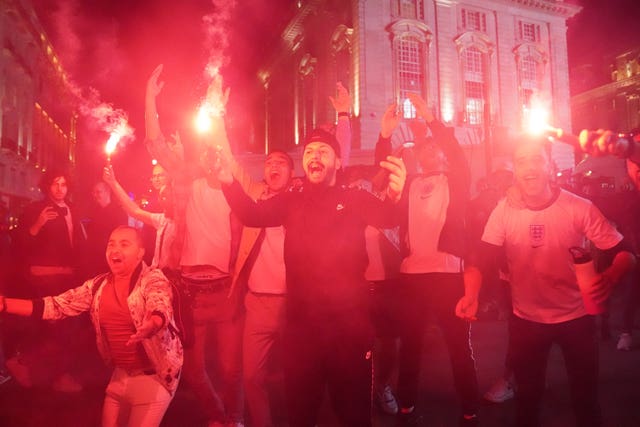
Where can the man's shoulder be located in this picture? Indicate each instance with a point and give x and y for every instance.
(568, 198)
(149, 273)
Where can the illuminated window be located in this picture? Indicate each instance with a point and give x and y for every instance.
(473, 20)
(528, 32)
(474, 85)
(529, 79)
(412, 9)
(410, 68)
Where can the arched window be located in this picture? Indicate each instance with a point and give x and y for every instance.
(530, 63)
(529, 79)
(410, 63)
(474, 49)
(473, 85)
(410, 51)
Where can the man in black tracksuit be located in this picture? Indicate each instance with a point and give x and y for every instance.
(328, 336)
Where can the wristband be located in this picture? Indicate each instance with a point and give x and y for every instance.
(344, 114)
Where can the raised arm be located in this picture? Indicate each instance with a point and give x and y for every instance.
(342, 104)
(266, 213)
(170, 154)
(389, 122)
(154, 87)
(127, 204)
(446, 140)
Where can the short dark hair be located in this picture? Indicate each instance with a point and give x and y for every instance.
(138, 233)
(285, 154)
(51, 175)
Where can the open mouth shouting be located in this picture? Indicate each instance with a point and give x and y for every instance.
(315, 170)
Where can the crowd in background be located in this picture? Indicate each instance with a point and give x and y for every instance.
(338, 272)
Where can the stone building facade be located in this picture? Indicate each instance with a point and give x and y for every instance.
(38, 123)
(612, 104)
(482, 65)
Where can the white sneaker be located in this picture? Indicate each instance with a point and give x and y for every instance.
(4, 377)
(386, 400)
(501, 391)
(624, 342)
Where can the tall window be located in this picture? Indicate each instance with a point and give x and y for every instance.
(474, 85)
(529, 79)
(410, 66)
(412, 9)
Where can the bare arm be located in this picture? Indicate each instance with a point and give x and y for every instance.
(342, 104)
(128, 205)
(154, 87)
(20, 307)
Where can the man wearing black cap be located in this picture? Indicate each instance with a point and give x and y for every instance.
(327, 337)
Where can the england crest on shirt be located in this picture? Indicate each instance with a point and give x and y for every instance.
(536, 235)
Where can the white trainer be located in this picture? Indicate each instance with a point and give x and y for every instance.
(501, 391)
(386, 400)
(624, 342)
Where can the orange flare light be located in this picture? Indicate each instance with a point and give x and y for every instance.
(538, 121)
(110, 147)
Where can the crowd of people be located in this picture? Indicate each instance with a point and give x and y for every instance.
(337, 273)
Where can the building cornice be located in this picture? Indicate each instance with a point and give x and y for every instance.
(290, 39)
(556, 7)
(605, 90)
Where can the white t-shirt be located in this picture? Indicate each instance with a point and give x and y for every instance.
(208, 230)
(165, 239)
(268, 274)
(537, 242)
(428, 203)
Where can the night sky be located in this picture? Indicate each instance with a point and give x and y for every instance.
(113, 45)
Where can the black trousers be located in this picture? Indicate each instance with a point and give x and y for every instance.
(531, 343)
(335, 355)
(435, 294)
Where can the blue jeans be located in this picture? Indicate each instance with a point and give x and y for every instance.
(264, 323)
(226, 404)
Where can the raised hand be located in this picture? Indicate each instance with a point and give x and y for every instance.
(176, 146)
(46, 215)
(422, 109)
(222, 165)
(390, 121)
(154, 86)
(397, 176)
(342, 102)
(108, 175)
